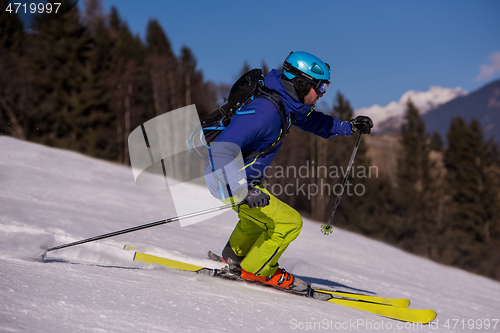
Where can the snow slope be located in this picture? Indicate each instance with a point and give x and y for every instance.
(50, 197)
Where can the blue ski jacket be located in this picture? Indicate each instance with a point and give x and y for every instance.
(257, 126)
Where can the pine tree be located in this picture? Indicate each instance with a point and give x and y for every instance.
(416, 187)
(100, 68)
(157, 41)
(93, 15)
(188, 67)
(436, 142)
(164, 75)
(11, 35)
(473, 208)
(59, 54)
(342, 108)
(16, 96)
(195, 89)
(246, 67)
(265, 68)
(413, 171)
(129, 85)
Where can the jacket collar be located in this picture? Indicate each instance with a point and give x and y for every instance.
(274, 82)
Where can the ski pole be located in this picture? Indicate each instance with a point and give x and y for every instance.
(140, 227)
(327, 228)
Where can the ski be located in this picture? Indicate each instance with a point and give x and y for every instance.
(400, 302)
(387, 307)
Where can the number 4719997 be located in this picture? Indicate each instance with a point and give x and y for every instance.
(33, 8)
(472, 324)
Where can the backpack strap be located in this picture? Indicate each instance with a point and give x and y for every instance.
(278, 103)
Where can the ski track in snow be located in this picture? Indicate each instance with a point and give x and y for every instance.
(50, 197)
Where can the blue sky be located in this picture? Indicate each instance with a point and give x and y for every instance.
(377, 49)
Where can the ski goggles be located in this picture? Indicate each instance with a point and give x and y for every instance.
(321, 87)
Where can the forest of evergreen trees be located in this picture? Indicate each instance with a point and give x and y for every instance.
(84, 81)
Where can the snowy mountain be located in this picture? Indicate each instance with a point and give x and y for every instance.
(50, 197)
(482, 104)
(388, 118)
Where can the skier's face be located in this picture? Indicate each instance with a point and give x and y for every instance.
(312, 97)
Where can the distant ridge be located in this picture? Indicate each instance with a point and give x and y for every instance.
(482, 104)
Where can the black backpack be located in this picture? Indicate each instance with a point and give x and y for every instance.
(249, 86)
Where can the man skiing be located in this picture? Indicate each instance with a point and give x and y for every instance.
(267, 225)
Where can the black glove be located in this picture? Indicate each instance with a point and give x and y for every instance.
(361, 124)
(256, 198)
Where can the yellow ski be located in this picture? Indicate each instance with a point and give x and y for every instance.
(388, 307)
(400, 302)
(405, 314)
(150, 259)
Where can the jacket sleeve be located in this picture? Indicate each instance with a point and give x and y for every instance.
(321, 124)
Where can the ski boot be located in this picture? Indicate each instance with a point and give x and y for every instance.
(280, 279)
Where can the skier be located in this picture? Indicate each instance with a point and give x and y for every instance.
(267, 225)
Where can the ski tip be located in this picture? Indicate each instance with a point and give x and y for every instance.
(214, 257)
(45, 251)
(129, 247)
(433, 315)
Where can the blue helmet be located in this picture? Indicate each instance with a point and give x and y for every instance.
(309, 68)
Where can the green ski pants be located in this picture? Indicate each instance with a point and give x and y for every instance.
(263, 234)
